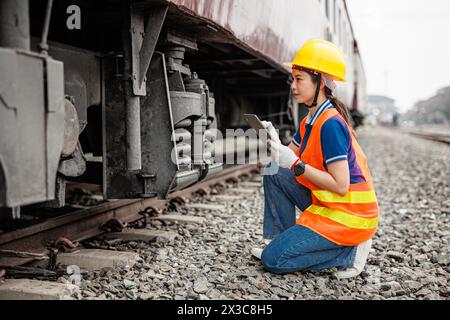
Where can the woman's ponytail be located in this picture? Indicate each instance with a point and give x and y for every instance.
(340, 107)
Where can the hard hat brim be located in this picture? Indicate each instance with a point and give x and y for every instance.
(335, 78)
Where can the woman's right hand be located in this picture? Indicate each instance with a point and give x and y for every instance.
(273, 135)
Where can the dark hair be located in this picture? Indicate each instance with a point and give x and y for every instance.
(338, 104)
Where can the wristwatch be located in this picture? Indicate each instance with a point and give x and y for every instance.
(299, 168)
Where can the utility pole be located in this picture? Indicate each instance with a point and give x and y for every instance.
(386, 83)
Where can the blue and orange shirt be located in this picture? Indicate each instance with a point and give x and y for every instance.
(335, 140)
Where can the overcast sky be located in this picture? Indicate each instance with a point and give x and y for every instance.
(405, 46)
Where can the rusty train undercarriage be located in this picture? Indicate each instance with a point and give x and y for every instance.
(131, 101)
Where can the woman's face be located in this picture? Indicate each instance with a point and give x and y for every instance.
(303, 88)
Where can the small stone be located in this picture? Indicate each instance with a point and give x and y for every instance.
(421, 258)
(396, 255)
(213, 294)
(400, 293)
(444, 260)
(131, 295)
(88, 293)
(426, 249)
(395, 285)
(423, 292)
(222, 249)
(201, 286)
(192, 295)
(387, 294)
(129, 284)
(385, 286)
(147, 296)
(410, 284)
(151, 274)
(165, 267)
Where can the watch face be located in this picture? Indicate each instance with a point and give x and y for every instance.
(299, 169)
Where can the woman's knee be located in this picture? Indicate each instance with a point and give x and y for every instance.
(280, 177)
(275, 265)
(271, 264)
(268, 257)
(270, 260)
(290, 251)
(271, 267)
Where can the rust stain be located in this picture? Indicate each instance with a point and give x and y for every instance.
(254, 28)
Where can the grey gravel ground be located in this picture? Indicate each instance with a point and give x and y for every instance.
(410, 258)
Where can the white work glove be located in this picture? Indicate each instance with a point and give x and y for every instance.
(279, 153)
(282, 155)
(273, 134)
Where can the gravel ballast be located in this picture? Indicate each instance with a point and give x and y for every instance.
(410, 257)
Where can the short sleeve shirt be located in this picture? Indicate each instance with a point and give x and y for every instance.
(335, 140)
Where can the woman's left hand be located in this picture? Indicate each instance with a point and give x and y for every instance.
(282, 155)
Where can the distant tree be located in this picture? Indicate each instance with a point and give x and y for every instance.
(435, 110)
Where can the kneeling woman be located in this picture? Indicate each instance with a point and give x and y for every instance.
(324, 173)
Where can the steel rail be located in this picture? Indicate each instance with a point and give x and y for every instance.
(430, 135)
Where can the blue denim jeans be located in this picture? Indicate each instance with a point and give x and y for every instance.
(295, 247)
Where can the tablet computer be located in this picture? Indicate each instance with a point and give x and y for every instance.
(254, 122)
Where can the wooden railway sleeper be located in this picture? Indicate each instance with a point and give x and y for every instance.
(27, 272)
(22, 254)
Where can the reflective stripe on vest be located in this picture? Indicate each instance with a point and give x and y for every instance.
(351, 197)
(345, 220)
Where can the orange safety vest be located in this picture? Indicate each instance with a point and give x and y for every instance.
(345, 220)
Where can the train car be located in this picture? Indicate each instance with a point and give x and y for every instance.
(129, 95)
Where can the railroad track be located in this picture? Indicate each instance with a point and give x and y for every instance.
(438, 136)
(43, 241)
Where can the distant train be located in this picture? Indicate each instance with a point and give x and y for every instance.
(96, 91)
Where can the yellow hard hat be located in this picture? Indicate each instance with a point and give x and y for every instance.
(321, 56)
